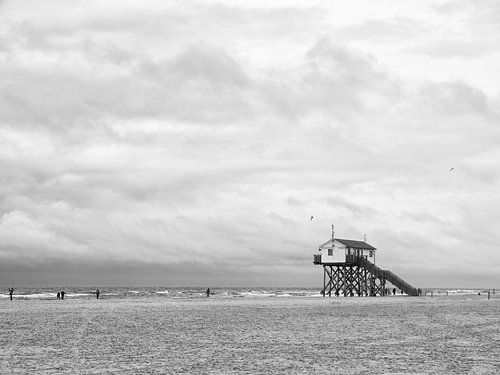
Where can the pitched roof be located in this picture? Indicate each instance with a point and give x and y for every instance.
(353, 244)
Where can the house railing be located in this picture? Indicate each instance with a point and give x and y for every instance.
(317, 259)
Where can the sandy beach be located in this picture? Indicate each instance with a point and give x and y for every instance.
(440, 335)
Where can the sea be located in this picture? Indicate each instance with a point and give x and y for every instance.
(45, 293)
(165, 330)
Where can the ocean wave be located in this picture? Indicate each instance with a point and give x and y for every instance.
(31, 296)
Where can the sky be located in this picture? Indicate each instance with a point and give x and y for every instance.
(190, 142)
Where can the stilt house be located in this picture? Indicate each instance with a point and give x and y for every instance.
(336, 251)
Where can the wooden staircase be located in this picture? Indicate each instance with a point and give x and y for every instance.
(384, 274)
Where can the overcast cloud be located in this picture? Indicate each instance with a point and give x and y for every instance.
(187, 143)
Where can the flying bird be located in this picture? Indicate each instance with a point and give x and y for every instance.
(312, 217)
(452, 169)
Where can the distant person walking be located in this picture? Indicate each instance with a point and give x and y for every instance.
(58, 295)
(208, 292)
(62, 294)
(11, 292)
(394, 291)
(97, 292)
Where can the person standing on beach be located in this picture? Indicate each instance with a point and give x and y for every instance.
(62, 294)
(97, 292)
(208, 292)
(58, 295)
(11, 292)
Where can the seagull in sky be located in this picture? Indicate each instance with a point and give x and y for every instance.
(312, 217)
(452, 169)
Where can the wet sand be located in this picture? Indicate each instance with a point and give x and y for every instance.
(444, 335)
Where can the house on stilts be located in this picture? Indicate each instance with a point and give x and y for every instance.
(349, 269)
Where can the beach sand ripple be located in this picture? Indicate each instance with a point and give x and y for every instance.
(251, 336)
